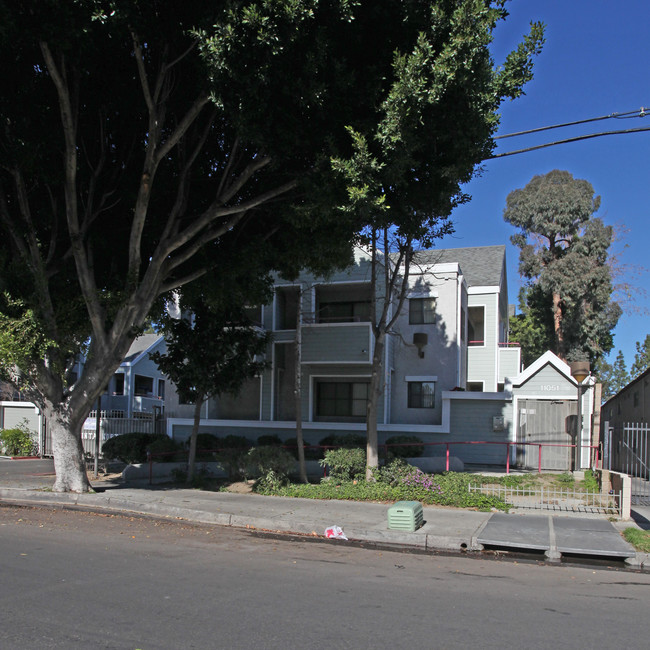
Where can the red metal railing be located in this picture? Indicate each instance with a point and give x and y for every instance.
(595, 460)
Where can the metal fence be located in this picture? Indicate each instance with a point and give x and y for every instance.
(626, 449)
(546, 498)
(109, 427)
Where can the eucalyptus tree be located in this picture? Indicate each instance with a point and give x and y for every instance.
(565, 261)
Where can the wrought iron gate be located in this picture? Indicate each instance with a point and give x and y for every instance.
(626, 449)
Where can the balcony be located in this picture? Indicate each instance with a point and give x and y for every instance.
(337, 343)
(509, 360)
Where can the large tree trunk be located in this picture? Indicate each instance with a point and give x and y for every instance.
(376, 387)
(297, 391)
(191, 460)
(65, 428)
(557, 326)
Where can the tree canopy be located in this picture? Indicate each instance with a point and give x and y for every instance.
(564, 259)
(147, 144)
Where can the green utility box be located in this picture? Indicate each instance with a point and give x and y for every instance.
(405, 515)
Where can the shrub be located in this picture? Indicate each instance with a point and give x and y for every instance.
(268, 440)
(234, 442)
(346, 441)
(131, 447)
(404, 447)
(232, 455)
(18, 441)
(394, 472)
(311, 453)
(206, 446)
(165, 450)
(345, 464)
(271, 463)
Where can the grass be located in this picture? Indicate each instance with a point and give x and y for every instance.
(640, 539)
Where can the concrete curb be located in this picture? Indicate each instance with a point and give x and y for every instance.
(450, 532)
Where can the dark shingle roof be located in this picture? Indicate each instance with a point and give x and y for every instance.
(481, 265)
(140, 345)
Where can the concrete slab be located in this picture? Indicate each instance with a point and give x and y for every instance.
(511, 531)
(590, 537)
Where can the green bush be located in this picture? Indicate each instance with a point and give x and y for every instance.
(311, 452)
(404, 447)
(234, 442)
(345, 464)
(132, 447)
(232, 455)
(269, 440)
(271, 464)
(346, 441)
(394, 472)
(206, 446)
(18, 441)
(164, 450)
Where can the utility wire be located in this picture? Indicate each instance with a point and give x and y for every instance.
(642, 112)
(576, 139)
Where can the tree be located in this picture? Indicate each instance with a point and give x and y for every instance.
(613, 377)
(641, 358)
(141, 140)
(564, 259)
(444, 108)
(213, 348)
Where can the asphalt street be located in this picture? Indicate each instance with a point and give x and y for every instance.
(86, 580)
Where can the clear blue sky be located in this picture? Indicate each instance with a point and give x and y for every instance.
(594, 62)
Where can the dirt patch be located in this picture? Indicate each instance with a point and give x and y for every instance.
(241, 487)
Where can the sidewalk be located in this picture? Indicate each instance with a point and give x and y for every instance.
(556, 535)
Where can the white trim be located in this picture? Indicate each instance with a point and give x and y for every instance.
(421, 378)
(495, 366)
(479, 347)
(485, 289)
(548, 358)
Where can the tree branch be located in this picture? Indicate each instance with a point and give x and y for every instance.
(86, 280)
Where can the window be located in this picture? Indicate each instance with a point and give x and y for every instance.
(344, 312)
(421, 394)
(422, 311)
(463, 326)
(476, 325)
(161, 388)
(286, 307)
(475, 386)
(143, 386)
(341, 399)
(254, 314)
(119, 384)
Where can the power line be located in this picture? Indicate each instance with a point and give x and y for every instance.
(642, 112)
(576, 139)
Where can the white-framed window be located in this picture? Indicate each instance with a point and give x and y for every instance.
(421, 394)
(338, 398)
(143, 386)
(476, 325)
(422, 311)
(475, 386)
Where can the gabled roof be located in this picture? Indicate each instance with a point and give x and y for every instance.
(482, 266)
(140, 346)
